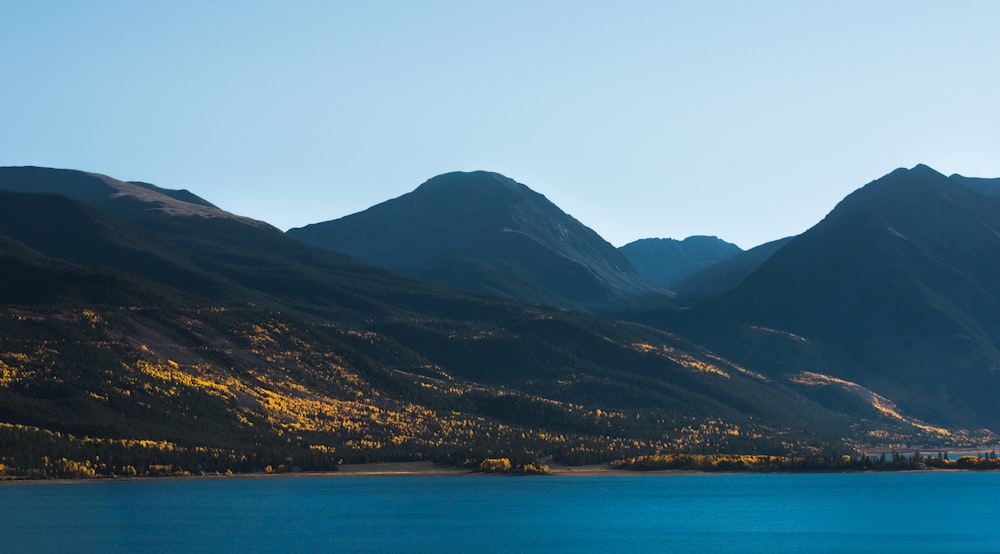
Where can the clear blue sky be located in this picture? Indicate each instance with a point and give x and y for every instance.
(746, 120)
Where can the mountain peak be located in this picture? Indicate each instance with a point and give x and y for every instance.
(899, 283)
(667, 261)
(904, 188)
(472, 191)
(486, 232)
(919, 170)
(468, 179)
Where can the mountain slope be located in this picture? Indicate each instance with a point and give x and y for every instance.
(989, 187)
(126, 200)
(189, 246)
(61, 228)
(306, 356)
(485, 232)
(895, 289)
(667, 261)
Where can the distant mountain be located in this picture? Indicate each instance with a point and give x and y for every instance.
(667, 261)
(487, 233)
(725, 275)
(896, 289)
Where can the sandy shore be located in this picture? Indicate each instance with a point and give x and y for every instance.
(397, 468)
(428, 468)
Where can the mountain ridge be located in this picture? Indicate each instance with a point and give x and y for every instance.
(893, 289)
(666, 261)
(128, 200)
(461, 228)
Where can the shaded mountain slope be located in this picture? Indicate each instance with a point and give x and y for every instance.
(31, 279)
(221, 256)
(667, 261)
(725, 275)
(485, 232)
(895, 289)
(61, 228)
(989, 187)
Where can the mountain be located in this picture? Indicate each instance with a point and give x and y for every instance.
(151, 341)
(188, 247)
(896, 290)
(725, 275)
(60, 228)
(125, 200)
(667, 261)
(989, 187)
(487, 233)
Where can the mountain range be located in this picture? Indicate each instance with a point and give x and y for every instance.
(150, 327)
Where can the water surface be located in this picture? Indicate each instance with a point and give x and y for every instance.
(861, 512)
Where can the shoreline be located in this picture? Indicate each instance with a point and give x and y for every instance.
(375, 470)
(429, 469)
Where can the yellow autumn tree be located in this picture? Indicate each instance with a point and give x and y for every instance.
(495, 465)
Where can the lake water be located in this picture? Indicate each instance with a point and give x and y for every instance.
(860, 512)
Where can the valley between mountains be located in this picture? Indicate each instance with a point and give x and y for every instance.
(145, 331)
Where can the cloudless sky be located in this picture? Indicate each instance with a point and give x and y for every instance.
(745, 120)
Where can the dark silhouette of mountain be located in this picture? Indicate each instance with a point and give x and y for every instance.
(29, 278)
(896, 290)
(213, 342)
(487, 233)
(667, 261)
(717, 278)
(61, 228)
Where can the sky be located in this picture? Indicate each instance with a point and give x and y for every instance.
(744, 120)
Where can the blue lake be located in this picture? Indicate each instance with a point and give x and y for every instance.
(860, 512)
